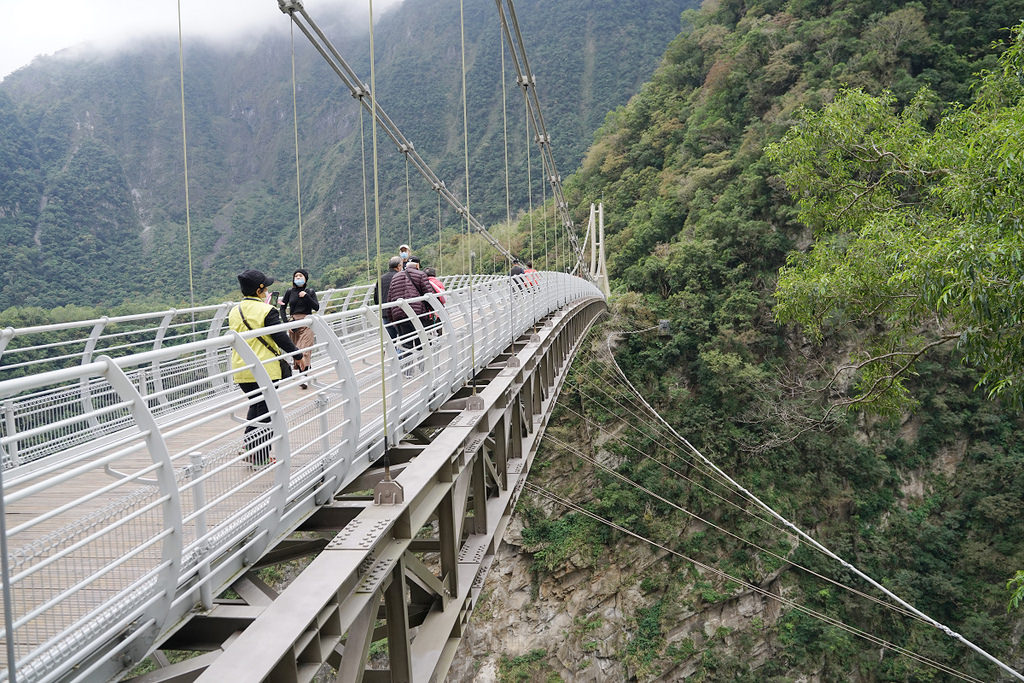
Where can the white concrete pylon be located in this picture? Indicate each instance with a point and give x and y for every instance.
(598, 266)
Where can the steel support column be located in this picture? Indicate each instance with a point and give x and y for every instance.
(426, 557)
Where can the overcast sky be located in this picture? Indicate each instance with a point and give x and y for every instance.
(29, 28)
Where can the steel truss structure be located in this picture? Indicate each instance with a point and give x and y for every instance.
(132, 496)
(408, 573)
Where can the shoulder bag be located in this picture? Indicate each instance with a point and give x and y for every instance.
(286, 367)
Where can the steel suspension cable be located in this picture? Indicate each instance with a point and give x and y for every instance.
(295, 119)
(526, 79)
(814, 543)
(544, 213)
(529, 174)
(669, 468)
(408, 203)
(297, 14)
(366, 208)
(832, 621)
(465, 148)
(504, 131)
(184, 154)
(657, 433)
(712, 476)
(690, 460)
(544, 226)
(508, 191)
(717, 527)
(465, 112)
(376, 220)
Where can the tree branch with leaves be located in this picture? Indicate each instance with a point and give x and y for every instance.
(919, 223)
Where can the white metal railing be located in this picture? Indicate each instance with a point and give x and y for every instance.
(127, 492)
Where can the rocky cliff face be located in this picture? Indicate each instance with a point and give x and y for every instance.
(584, 619)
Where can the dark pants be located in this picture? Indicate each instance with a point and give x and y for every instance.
(392, 329)
(405, 327)
(257, 409)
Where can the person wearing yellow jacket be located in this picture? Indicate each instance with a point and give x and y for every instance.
(253, 313)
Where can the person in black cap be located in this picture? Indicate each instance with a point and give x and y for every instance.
(301, 298)
(250, 314)
(394, 266)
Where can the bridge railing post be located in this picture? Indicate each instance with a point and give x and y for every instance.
(414, 358)
(336, 464)
(157, 375)
(394, 399)
(196, 467)
(85, 382)
(494, 326)
(173, 532)
(212, 354)
(277, 439)
(344, 307)
(447, 340)
(11, 458)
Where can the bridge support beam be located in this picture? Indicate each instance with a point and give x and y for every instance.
(408, 575)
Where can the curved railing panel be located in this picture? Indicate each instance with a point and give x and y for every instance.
(128, 486)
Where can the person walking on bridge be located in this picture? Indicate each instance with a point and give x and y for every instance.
(411, 283)
(531, 274)
(435, 282)
(253, 313)
(380, 293)
(301, 298)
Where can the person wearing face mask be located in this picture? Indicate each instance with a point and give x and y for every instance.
(405, 253)
(250, 314)
(301, 300)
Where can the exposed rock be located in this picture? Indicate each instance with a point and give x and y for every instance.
(583, 618)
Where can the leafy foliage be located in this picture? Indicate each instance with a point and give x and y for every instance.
(528, 667)
(922, 495)
(914, 224)
(57, 114)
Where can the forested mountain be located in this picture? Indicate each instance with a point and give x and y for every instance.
(924, 493)
(92, 191)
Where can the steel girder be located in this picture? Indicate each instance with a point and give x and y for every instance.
(408, 574)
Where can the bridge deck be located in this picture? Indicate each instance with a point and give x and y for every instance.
(131, 499)
(227, 475)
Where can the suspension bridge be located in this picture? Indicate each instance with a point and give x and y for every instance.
(133, 521)
(130, 507)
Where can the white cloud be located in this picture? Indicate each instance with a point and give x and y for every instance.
(43, 27)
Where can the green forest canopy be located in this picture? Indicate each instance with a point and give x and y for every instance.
(917, 217)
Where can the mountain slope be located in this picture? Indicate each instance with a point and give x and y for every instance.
(699, 223)
(588, 56)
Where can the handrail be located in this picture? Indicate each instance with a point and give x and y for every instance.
(184, 513)
(203, 318)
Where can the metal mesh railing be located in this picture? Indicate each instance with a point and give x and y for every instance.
(135, 487)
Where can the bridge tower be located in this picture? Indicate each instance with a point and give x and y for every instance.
(595, 233)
